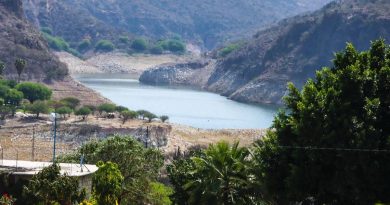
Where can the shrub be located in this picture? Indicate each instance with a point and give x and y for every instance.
(124, 39)
(228, 49)
(150, 116)
(56, 43)
(38, 107)
(84, 112)
(158, 49)
(127, 114)
(71, 102)
(139, 44)
(63, 111)
(3, 90)
(104, 46)
(84, 45)
(106, 107)
(176, 46)
(120, 108)
(164, 118)
(34, 91)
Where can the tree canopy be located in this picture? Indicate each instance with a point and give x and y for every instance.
(323, 149)
(34, 91)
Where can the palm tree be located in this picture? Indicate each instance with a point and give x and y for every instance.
(2, 67)
(20, 64)
(220, 176)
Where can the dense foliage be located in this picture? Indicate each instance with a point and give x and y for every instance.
(107, 183)
(50, 187)
(139, 166)
(323, 149)
(104, 46)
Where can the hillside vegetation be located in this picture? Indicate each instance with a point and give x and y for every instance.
(18, 39)
(295, 48)
(203, 22)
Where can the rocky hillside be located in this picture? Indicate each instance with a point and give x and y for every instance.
(18, 39)
(295, 48)
(203, 22)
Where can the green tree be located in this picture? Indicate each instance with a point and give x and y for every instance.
(221, 176)
(71, 102)
(3, 90)
(164, 118)
(50, 187)
(157, 49)
(38, 107)
(107, 183)
(107, 108)
(13, 98)
(322, 150)
(121, 108)
(34, 91)
(141, 113)
(150, 116)
(139, 44)
(139, 165)
(104, 46)
(84, 45)
(84, 112)
(64, 111)
(159, 194)
(20, 65)
(127, 115)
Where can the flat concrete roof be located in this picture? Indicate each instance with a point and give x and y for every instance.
(32, 168)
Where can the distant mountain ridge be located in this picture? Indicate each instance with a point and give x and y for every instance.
(202, 22)
(292, 51)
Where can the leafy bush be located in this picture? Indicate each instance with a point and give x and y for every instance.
(124, 39)
(38, 107)
(173, 45)
(127, 114)
(138, 165)
(84, 112)
(56, 43)
(228, 49)
(164, 118)
(63, 111)
(84, 45)
(106, 107)
(104, 46)
(139, 44)
(120, 108)
(158, 49)
(71, 102)
(50, 187)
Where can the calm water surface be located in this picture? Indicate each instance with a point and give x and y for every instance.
(185, 106)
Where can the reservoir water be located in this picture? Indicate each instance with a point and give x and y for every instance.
(185, 106)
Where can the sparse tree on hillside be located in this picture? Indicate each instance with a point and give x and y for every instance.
(127, 114)
(107, 108)
(38, 107)
(20, 65)
(84, 112)
(150, 116)
(164, 118)
(63, 111)
(71, 102)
